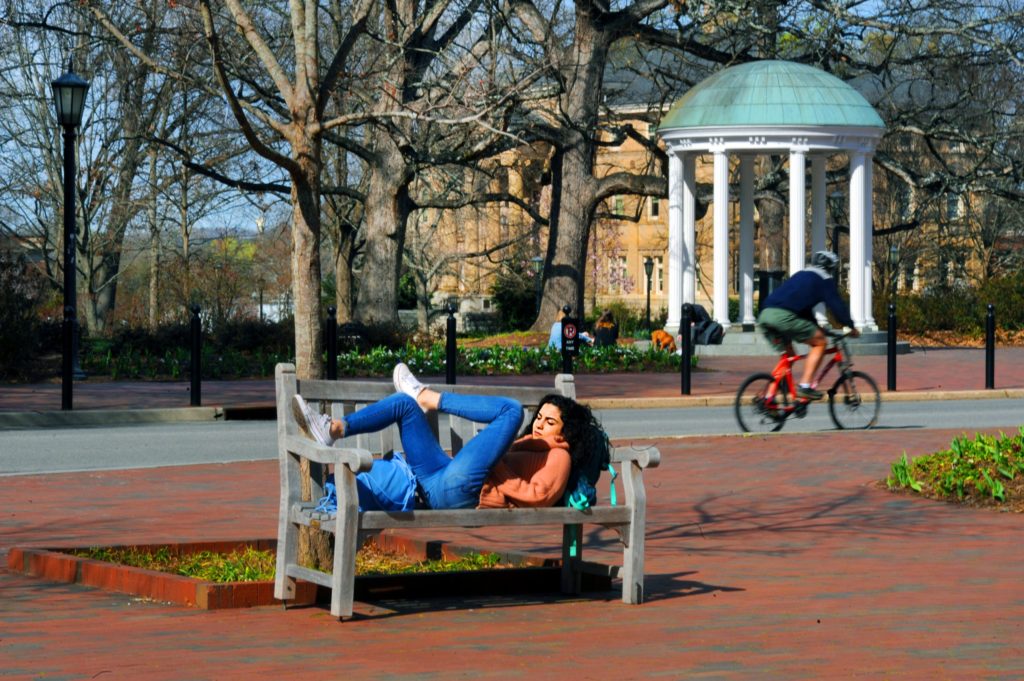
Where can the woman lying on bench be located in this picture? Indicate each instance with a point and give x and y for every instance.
(492, 470)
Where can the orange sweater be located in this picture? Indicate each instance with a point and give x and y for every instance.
(533, 472)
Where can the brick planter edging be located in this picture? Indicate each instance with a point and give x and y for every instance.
(54, 565)
(57, 565)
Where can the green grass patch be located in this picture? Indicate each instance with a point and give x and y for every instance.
(985, 470)
(252, 565)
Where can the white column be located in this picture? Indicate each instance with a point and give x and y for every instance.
(869, 248)
(675, 242)
(818, 218)
(857, 230)
(689, 229)
(818, 197)
(721, 239)
(797, 210)
(747, 240)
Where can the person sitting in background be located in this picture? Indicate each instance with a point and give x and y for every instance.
(606, 331)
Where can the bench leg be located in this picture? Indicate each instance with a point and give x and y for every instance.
(633, 562)
(346, 543)
(572, 554)
(287, 531)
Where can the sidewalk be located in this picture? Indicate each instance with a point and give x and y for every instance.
(768, 558)
(922, 374)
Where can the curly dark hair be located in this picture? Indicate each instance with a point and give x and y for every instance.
(580, 427)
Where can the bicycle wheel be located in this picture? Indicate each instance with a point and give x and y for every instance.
(752, 412)
(854, 401)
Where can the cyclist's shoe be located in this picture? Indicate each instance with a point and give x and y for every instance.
(808, 393)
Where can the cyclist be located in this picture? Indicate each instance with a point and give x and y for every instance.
(788, 314)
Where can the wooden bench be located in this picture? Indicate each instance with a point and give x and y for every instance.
(352, 455)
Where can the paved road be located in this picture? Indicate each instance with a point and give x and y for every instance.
(148, 446)
(967, 414)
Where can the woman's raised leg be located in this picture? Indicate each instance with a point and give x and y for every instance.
(458, 484)
(421, 449)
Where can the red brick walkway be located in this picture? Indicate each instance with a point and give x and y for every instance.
(768, 558)
(764, 562)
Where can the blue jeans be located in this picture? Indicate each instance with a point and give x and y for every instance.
(445, 482)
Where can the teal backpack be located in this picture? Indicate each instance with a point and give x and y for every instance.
(581, 490)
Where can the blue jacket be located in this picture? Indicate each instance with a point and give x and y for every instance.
(806, 289)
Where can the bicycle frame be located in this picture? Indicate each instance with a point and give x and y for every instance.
(765, 401)
(784, 371)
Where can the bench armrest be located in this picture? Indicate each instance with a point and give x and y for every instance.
(644, 457)
(353, 458)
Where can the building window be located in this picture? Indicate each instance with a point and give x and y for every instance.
(619, 205)
(910, 276)
(903, 201)
(617, 274)
(655, 206)
(657, 274)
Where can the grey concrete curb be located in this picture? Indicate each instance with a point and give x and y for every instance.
(106, 417)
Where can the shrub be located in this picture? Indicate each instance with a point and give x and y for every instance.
(24, 289)
(515, 296)
(983, 469)
(946, 308)
(1007, 295)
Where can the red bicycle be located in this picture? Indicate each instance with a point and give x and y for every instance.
(764, 401)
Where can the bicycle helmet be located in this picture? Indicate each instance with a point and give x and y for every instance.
(826, 260)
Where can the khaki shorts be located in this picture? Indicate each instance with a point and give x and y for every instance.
(776, 320)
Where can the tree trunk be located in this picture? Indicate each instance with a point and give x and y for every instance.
(773, 237)
(343, 275)
(574, 188)
(564, 282)
(386, 213)
(306, 264)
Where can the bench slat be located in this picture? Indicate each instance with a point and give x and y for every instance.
(307, 575)
(472, 517)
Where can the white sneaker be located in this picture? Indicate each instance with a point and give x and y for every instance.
(314, 425)
(405, 382)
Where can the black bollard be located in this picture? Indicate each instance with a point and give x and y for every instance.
(67, 360)
(686, 340)
(990, 347)
(332, 343)
(197, 364)
(451, 353)
(891, 343)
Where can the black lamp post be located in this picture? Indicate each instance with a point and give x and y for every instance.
(69, 99)
(538, 266)
(894, 263)
(648, 270)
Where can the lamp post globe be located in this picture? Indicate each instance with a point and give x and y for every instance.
(648, 270)
(69, 93)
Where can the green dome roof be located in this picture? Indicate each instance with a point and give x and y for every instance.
(771, 93)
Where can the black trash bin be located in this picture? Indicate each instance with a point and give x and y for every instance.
(767, 281)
